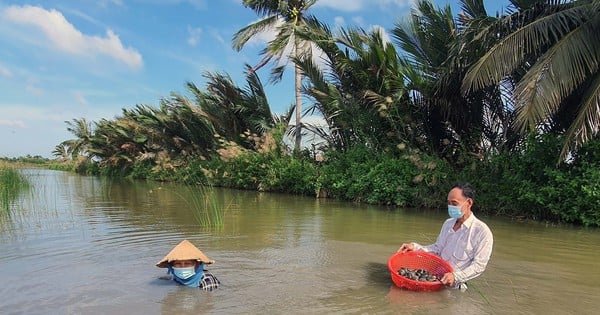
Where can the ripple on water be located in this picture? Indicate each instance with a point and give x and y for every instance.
(93, 253)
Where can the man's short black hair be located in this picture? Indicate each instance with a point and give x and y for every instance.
(466, 188)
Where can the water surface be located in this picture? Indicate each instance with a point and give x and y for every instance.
(85, 245)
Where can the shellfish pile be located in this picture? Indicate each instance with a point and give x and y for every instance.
(417, 274)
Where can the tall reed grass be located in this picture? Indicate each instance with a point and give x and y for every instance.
(205, 206)
(12, 182)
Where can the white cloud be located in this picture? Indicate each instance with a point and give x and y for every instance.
(398, 3)
(115, 2)
(34, 89)
(342, 5)
(12, 123)
(217, 36)
(79, 98)
(5, 72)
(35, 115)
(339, 22)
(109, 3)
(194, 35)
(359, 20)
(198, 4)
(65, 37)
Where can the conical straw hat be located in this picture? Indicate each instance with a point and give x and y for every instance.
(184, 251)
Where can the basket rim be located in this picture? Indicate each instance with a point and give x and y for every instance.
(423, 253)
(414, 284)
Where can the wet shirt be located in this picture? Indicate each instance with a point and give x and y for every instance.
(209, 282)
(468, 249)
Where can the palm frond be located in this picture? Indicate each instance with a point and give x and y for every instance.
(510, 52)
(557, 73)
(263, 7)
(586, 125)
(241, 37)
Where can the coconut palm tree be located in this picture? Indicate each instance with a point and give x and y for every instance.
(551, 50)
(285, 18)
(82, 130)
(434, 41)
(62, 151)
(426, 37)
(233, 110)
(361, 91)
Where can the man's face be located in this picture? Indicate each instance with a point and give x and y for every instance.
(456, 198)
(183, 263)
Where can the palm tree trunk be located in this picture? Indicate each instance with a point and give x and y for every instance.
(298, 90)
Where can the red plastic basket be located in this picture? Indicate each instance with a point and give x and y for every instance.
(418, 260)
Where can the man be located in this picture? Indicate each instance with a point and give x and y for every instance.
(464, 241)
(185, 262)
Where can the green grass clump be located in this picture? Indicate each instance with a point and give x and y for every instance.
(204, 205)
(12, 182)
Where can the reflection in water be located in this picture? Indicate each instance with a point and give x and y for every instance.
(419, 302)
(186, 301)
(86, 245)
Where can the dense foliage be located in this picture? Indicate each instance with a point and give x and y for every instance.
(528, 184)
(508, 102)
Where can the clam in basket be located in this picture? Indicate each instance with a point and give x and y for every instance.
(417, 260)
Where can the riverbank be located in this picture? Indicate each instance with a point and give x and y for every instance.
(525, 186)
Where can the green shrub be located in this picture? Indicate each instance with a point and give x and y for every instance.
(574, 196)
(264, 172)
(290, 175)
(243, 171)
(141, 169)
(412, 180)
(530, 184)
(342, 174)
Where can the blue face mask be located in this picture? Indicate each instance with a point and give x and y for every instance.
(184, 273)
(455, 212)
(187, 276)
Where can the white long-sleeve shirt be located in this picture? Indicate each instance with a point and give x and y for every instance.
(468, 249)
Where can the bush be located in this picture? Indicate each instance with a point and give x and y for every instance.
(530, 184)
(574, 196)
(342, 174)
(264, 172)
(290, 175)
(412, 180)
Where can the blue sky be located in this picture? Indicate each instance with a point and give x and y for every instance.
(67, 59)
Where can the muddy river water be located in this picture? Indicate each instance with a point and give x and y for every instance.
(86, 245)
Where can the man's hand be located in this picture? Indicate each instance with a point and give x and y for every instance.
(406, 247)
(448, 279)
